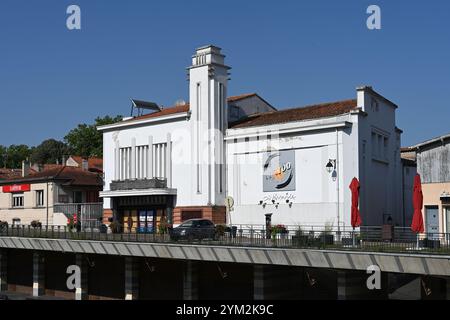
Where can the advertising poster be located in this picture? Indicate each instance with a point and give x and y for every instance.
(142, 221)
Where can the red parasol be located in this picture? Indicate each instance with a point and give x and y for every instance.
(356, 218)
(417, 223)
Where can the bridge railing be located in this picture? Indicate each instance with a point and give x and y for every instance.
(364, 239)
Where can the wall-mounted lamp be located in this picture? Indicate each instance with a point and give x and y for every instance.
(331, 165)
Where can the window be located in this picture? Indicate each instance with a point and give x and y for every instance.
(17, 200)
(39, 198)
(234, 112)
(380, 146)
(77, 197)
(63, 198)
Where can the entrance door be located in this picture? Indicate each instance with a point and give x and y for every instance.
(146, 221)
(432, 221)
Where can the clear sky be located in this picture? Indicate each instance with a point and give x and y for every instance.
(292, 53)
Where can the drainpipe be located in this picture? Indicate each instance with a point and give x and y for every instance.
(337, 184)
(47, 206)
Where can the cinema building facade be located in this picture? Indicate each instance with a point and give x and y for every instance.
(293, 164)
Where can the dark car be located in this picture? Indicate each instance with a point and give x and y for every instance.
(194, 229)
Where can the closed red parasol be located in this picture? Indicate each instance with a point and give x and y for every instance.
(356, 218)
(417, 222)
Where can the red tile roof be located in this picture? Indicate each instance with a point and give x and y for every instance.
(183, 108)
(69, 175)
(298, 114)
(10, 173)
(93, 163)
(240, 97)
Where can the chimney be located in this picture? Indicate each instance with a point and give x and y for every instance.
(85, 165)
(25, 168)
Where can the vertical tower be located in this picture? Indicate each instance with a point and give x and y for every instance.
(208, 79)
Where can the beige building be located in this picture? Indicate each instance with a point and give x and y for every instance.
(51, 197)
(433, 164)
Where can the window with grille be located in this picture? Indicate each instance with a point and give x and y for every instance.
(18, 200)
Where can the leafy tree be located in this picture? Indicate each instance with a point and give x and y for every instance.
(86, 141)
(49, 151)
(2, 156)
(12, 156)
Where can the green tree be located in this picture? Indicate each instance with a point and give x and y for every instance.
(86, 141)
(2, 156)
(49, 151)
(13, 155)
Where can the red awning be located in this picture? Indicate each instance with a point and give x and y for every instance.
(417, 223)
(356, 217)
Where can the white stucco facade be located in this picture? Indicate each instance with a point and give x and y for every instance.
(321, 197)
(203, 161)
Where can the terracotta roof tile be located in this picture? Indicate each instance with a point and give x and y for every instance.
(10, 173)
(93, 163)
(298, 114)
(72, 175)
(240, 97)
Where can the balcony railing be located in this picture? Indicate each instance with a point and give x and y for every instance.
(89, 214)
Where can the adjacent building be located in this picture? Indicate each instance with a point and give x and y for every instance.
(433, 164)
(51, 196)
(294, 165)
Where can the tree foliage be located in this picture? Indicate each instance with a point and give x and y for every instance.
(12, 156)
(49, 151)
(86, 141)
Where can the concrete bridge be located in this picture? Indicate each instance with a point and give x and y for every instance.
(131, 270)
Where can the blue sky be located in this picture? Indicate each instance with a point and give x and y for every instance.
(292, 53)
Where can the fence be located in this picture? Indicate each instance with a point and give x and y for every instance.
(365, 239)
(89, 214)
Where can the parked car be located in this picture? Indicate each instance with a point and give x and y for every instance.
(194, 229)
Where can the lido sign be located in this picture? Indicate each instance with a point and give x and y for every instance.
(279, 171)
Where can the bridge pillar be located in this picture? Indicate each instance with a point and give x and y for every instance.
(352, 285)
(190, 281)
(81, 290)
(131, 278)
(448, 289)
(38, 274)
(275, 282)
(3, 271)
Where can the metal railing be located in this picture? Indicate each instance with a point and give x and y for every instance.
(373, 239)
(89, 214)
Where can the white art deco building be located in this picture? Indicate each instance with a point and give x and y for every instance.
(297, 164)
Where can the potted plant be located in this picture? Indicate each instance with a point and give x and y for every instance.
(300, 238)
(71, 224)
(36, 224)
(115, 227)
(327, 237)
(279, 230)
(163, 227)
(3, 226)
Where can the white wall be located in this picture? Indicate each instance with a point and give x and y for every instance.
(315, 198)
(381, 186)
